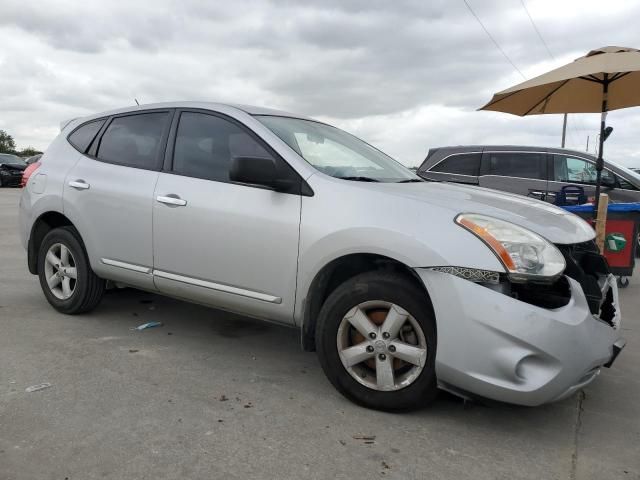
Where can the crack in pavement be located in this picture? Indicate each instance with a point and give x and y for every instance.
(576, 433)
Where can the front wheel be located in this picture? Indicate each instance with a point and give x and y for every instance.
(66, 278)
(376, 340)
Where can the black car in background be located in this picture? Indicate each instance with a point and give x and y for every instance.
(11, 168)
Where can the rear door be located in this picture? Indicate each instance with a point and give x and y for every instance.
(108, 195)
(455, 167)
(226, 244)
(524, 173)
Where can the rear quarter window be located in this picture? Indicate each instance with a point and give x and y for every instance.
(82, 136)
(459, 164)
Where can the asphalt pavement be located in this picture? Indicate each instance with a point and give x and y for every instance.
(212, 395)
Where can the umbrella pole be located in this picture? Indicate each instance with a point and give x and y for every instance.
(603, 117)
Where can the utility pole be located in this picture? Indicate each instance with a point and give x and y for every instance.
(587, 144)
(564, 130)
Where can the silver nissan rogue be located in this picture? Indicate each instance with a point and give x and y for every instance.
(401, 286)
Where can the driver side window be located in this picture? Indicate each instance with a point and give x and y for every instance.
(576, 170)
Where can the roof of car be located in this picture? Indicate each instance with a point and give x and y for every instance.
(250, 109)
(517, 148)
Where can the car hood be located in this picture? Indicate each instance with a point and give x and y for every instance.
(551, 222)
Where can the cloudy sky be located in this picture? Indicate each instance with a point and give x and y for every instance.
(406, 75)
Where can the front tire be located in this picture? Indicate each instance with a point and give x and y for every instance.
(66, 277)
(376, 341)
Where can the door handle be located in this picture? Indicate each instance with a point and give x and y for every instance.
(171, 199)
(79, 184)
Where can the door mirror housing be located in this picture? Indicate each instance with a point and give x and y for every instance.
(608, 182)
(259, 171)
(270, 173)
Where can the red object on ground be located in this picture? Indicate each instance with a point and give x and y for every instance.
(28, 172)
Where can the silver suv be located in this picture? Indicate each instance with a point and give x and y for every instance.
(402, 286)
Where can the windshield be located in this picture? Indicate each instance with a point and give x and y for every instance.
(9, 158)
(336, 152)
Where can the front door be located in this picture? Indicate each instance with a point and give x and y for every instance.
(524, 173)
(573, 170)
(229, 245)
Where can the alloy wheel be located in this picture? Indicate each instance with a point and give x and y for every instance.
(60, 271)
(381, 345)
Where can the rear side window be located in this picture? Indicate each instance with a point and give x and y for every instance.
(206, 144)
(82, 137)
(134, 140)
(462, 164)
(520, 165)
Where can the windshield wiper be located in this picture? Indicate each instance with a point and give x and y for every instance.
(411, 180)
(359, 179)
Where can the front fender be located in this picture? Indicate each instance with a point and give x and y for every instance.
(462, 249)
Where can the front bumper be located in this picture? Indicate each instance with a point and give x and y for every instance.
(498, 347)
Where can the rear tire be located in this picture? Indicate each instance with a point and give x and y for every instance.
(66, 277)
(373, 296)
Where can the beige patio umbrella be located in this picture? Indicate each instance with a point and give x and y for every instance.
(604, 79)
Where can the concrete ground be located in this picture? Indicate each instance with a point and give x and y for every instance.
(213, 395)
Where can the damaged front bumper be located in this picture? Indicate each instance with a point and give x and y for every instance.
(496, 346)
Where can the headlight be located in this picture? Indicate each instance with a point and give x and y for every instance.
(525, 255)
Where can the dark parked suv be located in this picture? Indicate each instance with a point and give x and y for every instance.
(532, 171)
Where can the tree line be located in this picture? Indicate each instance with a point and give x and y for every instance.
(8, 145)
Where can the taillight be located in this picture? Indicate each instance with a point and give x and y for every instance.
(28, 172)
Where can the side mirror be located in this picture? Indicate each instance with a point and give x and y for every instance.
(609, 182)
(255, 170)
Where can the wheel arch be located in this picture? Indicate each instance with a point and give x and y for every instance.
(44, 224)
(339, 270)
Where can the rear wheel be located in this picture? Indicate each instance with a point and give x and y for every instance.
(376, 340)
(65, 275)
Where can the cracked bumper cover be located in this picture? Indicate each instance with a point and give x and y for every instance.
(498, 347)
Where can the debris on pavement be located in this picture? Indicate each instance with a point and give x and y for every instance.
(367, 439)
(36, 388)
(133, 350)
(248, 405)
(223, 398)
(144, 326)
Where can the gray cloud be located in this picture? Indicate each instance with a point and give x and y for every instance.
(405, 75)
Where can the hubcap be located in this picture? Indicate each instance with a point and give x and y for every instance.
(60, 271)
(381, 345)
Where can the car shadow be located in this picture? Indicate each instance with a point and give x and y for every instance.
(277, 349)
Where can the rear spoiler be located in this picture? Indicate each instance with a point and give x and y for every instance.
(65, 123)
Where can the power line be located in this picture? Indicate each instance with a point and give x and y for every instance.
(504, 54)
(537, 31)
(546, 46)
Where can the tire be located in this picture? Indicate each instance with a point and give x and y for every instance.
(85, 291)
(373, 292)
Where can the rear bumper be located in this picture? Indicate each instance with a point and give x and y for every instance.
(11, 179)
(498, 347)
